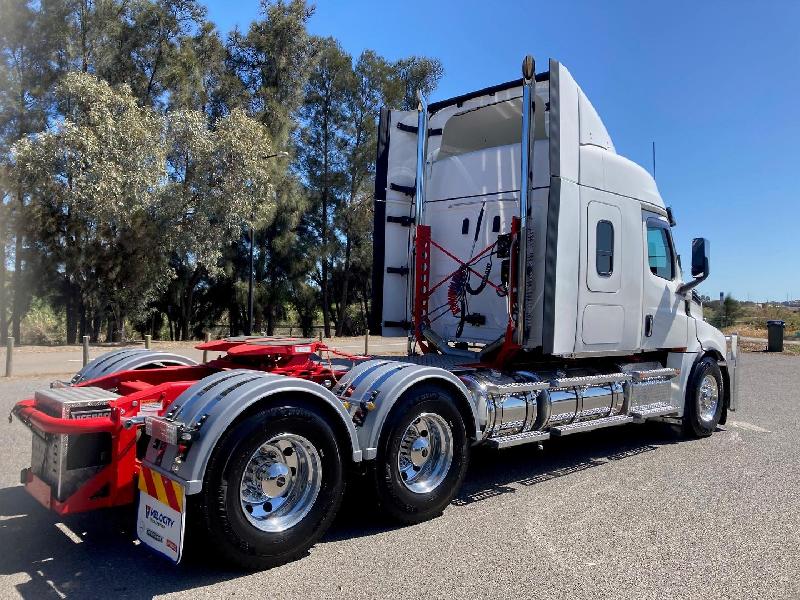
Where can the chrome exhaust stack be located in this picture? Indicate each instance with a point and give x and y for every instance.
(419, 200)
(526, 178)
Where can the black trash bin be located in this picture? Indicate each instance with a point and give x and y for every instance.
(775, 336)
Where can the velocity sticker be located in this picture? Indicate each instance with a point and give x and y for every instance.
(161, 517)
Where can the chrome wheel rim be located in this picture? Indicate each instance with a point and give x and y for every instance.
(280, 483)
(426, 453)
(707, 399)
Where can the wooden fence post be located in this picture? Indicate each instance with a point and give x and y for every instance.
(206, 338)
(85, 350)
(10, 357)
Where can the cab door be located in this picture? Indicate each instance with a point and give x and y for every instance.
(664, 319)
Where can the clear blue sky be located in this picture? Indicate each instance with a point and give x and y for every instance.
(715, 84)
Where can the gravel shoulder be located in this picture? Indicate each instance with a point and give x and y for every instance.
(618, 513)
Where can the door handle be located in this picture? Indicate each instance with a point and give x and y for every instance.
(648, 325)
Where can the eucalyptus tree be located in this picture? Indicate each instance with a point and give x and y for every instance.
(321, 141)
(363, 97)
(90, 181)
(285, 257)
(218, 182)
(410, 76)
(24, 78)
(273, 59)
(154, 32)
(198, 76)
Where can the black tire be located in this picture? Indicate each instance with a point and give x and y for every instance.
(394, 498)
(694, 425)
(233, 536)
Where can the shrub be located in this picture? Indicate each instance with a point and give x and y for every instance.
(42, 325)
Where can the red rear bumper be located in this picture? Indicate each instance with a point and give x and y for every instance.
(32, 417)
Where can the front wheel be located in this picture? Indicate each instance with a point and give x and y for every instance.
(704, 399)
(422, 456)
(273, 486)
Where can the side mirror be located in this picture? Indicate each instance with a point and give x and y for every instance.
(701, 257)
(701, 264)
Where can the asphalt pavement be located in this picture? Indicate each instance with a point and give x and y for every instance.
(635, 512)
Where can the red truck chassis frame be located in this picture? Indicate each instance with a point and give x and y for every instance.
(116, 483)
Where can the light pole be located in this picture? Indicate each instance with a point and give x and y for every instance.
(249, 330)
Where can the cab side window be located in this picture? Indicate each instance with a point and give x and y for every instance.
(604, 248)
(660, 254)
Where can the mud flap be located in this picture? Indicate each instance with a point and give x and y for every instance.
(161, 520)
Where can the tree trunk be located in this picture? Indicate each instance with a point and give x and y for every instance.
(233, 315)
(16, 316)
(366, 299)
(184, 328)
(326, 317)
(270, 319)
(345, 285)
(83, 326)
(69, 309)
(3, 306)
(97, 324)
(187, 303)
(121, 327)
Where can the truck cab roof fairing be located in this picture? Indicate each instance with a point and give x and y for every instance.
(472, 193)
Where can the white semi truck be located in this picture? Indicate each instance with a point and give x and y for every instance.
(531, 268)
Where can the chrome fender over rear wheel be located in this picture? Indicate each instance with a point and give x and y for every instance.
(422, 455)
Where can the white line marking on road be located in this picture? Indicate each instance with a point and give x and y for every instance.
(69, 533)
(747, 426)
(9, 517)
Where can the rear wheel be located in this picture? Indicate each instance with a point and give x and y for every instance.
(704, 399)
(422, 457)
(273, 486)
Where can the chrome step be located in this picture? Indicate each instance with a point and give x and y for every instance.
(581, 426)
(517, 388)
(518, 439)
(659, 409)
(655, 374)
(587, 380)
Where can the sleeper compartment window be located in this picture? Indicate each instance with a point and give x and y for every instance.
(604, 248)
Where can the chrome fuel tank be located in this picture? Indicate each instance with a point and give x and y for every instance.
(568, 404)
(503, 414)
(565, 400)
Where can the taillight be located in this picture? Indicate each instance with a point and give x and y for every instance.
(161, 429)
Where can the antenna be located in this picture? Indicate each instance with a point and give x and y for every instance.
(654, 160)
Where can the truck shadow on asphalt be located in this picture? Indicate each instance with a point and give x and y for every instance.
(97, 555)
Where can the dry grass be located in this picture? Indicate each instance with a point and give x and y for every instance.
(790, 349)
(747, 331)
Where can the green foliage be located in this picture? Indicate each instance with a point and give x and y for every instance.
(725, 313)
(336, 148)
(42, 325)
(90, 180)
(750, 318)
(138, 147)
